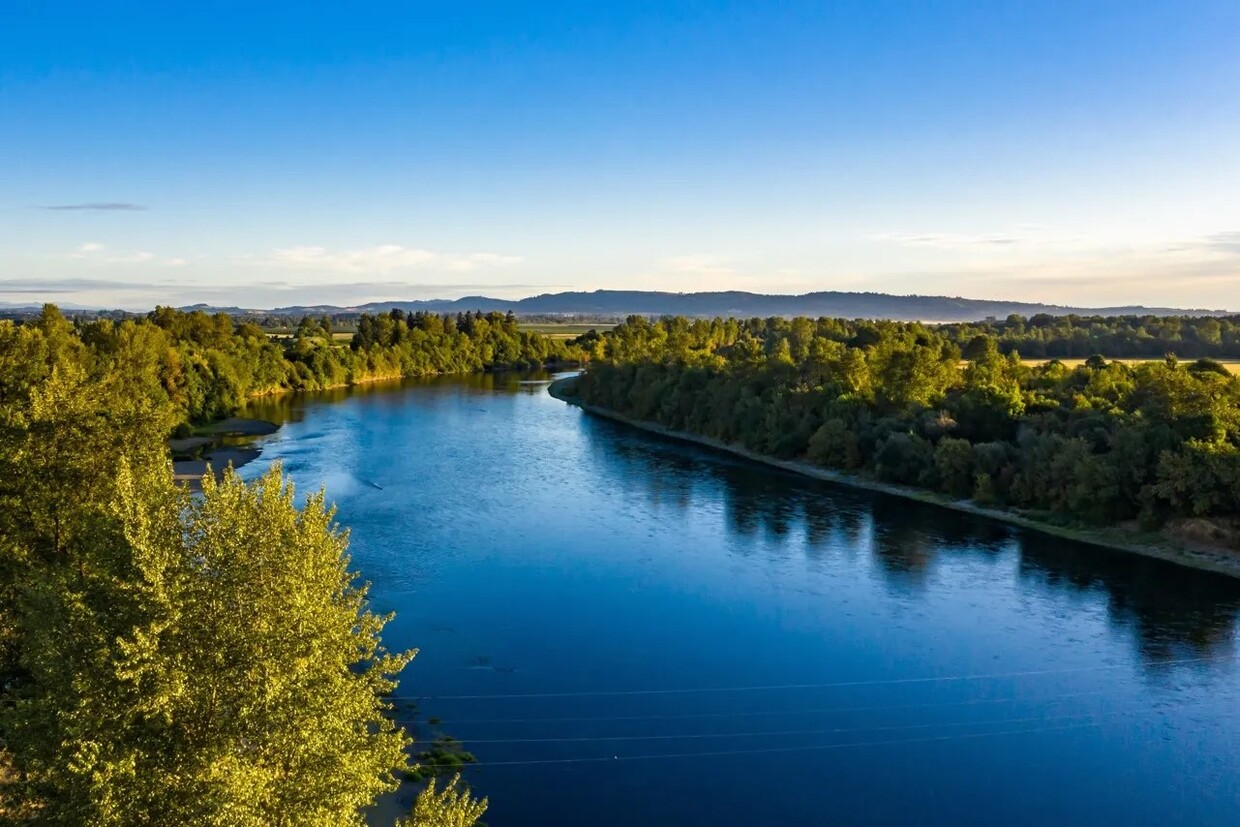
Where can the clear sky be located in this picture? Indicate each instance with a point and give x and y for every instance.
(265, 154)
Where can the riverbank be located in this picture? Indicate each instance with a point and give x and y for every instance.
(397, 376)
(1148, 545)
(210, 451)
(207, 445)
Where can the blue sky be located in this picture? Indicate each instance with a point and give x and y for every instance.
(268, 154)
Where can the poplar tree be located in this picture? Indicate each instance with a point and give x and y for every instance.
(217, 664)
(449, 806)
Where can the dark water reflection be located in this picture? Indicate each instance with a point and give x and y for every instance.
(933, 667)
(1175, 612)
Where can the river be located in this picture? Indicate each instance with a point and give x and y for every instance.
(626, 630)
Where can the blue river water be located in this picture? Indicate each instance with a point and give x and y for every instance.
(625, 630)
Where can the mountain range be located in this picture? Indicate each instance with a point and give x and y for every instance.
(619, 303)
(736, 303)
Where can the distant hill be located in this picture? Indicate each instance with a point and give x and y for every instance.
(231, 310)
(736, 303)
(616, 304)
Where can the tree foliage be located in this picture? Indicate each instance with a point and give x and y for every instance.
(167, 659)
(207, 366)
(450, 806)
(213, 662)
(1099, 443)
(1120, 337)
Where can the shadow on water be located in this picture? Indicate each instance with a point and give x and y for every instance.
(286, 408)
(1172, 611)
(1175, 612)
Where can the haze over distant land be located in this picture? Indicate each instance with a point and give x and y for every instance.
(736, 303)
(617, 303)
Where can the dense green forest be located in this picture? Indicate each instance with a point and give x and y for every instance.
(1101, 443)
(168, 659)
(208, 365)
(129, 691)
(1118, 337)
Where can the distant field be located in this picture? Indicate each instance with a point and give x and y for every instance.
(555, 331)
(338, 339)
(1232, 365)
(565, 331)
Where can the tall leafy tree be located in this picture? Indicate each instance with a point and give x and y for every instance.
(167, 659)
(217, 664)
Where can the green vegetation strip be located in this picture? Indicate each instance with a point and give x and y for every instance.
(1141, 457)
(1149, 545)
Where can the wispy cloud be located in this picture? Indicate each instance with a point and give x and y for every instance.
(1176, 275)
(950, 241)
(359, 292)
(102, 206)
(58, 286)
(87, 292)
(439, 290)
(1224, 243)
(96, 253)
(383, 258)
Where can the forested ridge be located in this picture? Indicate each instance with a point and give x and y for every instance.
(177, 659)
(1101, 443)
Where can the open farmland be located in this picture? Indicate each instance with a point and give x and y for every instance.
(564, 331)
(1232, 365)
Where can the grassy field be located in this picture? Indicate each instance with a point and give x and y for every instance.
(564, 331)
(554, 331)
(282, 332)
(1232, 365)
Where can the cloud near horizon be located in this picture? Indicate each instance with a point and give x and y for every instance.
(1165, 275)
(382, 258)
(143, 295)
(1226, 243)
(95, 253)
(102, 206)
(69, 285)
(949, 241)
(1052, 267)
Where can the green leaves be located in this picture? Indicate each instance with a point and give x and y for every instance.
(217, 664)
(168, 659)
(450, 806)
(1101, 443)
